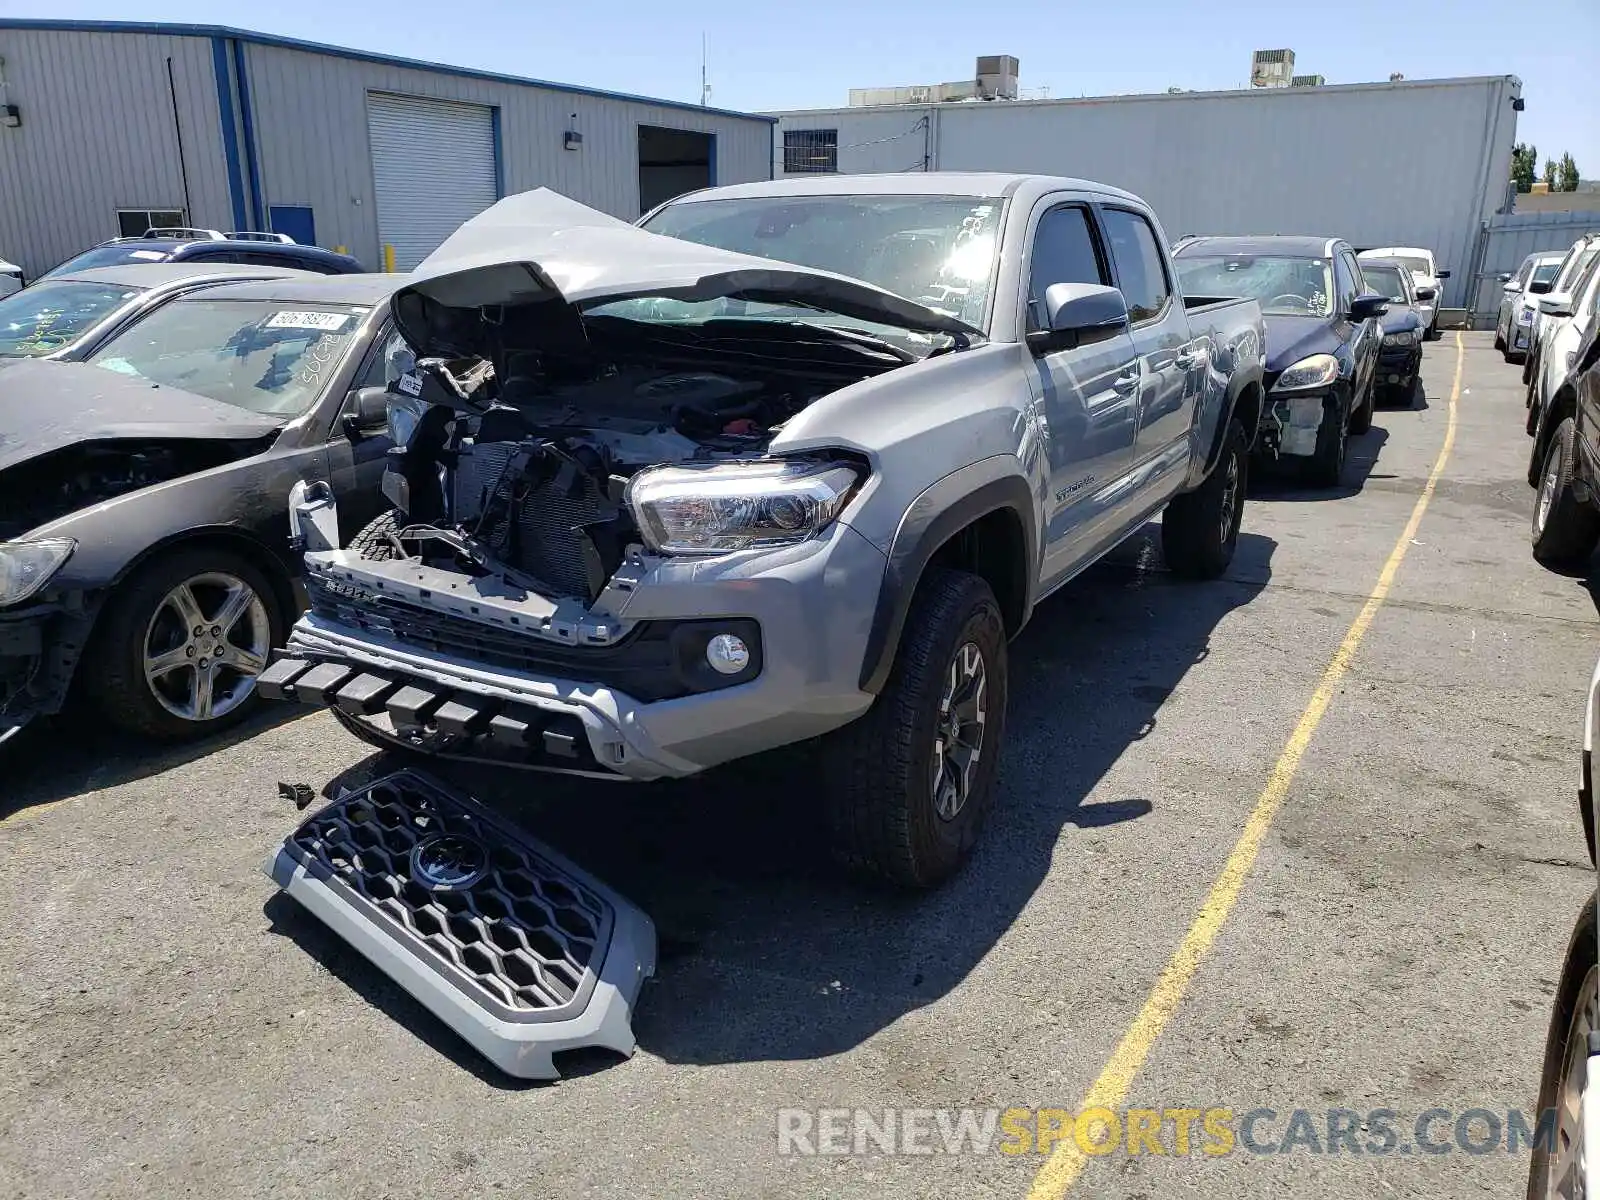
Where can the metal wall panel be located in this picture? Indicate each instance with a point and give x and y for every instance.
(1420, 163)
(313, 145)
(418, 207)
(1511, 237)
(97, 135)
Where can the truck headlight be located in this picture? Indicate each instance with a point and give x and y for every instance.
(1317, 371)
(738, 505)
(25, 567)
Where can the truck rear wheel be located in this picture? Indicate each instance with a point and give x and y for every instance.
(1200, 529)
(1565, 529)
(909, 784)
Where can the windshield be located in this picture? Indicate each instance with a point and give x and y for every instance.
(47, 316)
(269, 356)
(936, 250)
(1546, 272)
(1386, 281)
(109, 256)
(1291, 287)
(1572, 271)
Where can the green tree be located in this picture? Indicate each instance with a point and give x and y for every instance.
(1550, 173)
(1567, 174)
(1523, 165)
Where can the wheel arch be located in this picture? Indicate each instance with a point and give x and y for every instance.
(988, 528)
(276, 565)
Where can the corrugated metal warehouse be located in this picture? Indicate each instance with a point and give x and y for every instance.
(118, 125)
(1415, 163)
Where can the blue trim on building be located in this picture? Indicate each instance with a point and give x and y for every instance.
(499, 153)
(712, 165)
(172, 29)
(230, 138)
(252, 167)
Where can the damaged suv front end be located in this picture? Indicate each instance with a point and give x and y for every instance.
(602, 558)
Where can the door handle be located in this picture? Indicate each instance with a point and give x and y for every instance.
(1126, 382)
(1188, 360)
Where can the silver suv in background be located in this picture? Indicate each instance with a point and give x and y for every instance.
(663, 502)
(1519, 303)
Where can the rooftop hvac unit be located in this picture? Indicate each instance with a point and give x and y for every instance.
(1307, 81)
(997, 76)
(1271, 68)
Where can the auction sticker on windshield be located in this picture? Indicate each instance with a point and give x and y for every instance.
(308, 320)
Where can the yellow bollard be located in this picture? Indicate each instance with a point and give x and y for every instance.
(388, 257)
(340, 250)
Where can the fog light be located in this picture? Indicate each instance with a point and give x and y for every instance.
(727, 654)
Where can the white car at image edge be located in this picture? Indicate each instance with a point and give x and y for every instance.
(1425, 274)
(10, 277)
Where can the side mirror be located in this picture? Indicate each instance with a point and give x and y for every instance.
(1442, 275)
(1504, 277)
(1555, 307)
(1426, 293)
(1536, 288)
(1368, 304)
(1511, 289)
(366, 411)
(1078, 314)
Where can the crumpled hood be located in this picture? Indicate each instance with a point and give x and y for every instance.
(48, 406)
(1289, 339)
(541, 246)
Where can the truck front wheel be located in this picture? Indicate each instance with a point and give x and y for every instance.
(1200, 529)
(909, 784)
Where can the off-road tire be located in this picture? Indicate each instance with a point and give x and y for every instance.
(1361, 417)
(1580, 960)
(1192, 536)
(1325, 467)
(374, 543)
(114, 665)
(877, 776)
(1571, 528)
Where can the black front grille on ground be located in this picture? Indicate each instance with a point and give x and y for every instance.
(524, 937)
(658, 660)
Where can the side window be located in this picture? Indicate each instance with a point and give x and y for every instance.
(1344, 284)
(1523, 273)
(1141, 273)
(1063, 252)
(391, 359)
(1357, 278)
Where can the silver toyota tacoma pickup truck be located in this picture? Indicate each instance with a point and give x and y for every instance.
(783, 461)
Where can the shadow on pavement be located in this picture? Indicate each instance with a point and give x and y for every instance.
(766, 952)
(78, 752)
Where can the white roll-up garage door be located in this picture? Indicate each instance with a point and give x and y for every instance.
(433, 164)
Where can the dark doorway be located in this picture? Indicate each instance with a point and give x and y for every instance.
(672, 162)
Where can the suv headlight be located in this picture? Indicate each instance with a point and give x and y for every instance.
(1317, 371)
(1404, 338)
(738, 505)
(25, 567)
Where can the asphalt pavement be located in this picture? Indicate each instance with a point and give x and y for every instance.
(170, 1026)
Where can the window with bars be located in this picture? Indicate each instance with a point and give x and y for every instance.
(132, 222)
(810, 151)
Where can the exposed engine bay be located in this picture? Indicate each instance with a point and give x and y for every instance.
(53, 485)
(518, 463)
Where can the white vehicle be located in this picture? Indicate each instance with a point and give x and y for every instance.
(1519, 304)
(1564, 318)
(1565, 1161)
(1562, 292)
(1425, 274)
(10, 278)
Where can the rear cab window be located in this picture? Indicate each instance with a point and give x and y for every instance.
(1141, 268)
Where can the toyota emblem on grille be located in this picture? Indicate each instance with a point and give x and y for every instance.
(449, 862)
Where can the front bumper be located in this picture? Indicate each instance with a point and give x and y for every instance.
(1289, 422)
(812, 605)
(1398, 365)
(39, 647)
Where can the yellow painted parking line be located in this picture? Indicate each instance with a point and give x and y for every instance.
(1110, 1089)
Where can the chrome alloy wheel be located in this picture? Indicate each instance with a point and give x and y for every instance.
(958, 737)
(1568, 1177)
(1547, 489)
(1231, 505)
(204, 646)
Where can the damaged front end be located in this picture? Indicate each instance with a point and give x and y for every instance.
(592, 535)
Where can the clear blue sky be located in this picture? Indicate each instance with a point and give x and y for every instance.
(807, 53)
